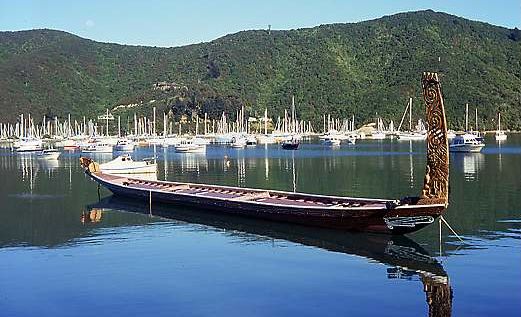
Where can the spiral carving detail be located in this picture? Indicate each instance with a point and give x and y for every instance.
(436, 182)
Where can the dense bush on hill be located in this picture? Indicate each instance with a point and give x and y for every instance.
(341, 69)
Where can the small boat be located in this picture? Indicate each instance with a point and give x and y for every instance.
(395, 216)
(265, 139)
(378, 135)
(98, 147)
(238, 142)
(351, 139)
(156, 140)
(500, 134)
(172, 141)
(124, 145)
(251, 141)
(412, 136)
(290, 144)
(29, 145)
(124, 164)
(49, 154)
(331, 141)
(189, 146)
(466, 142)
(143, 142)
(69, 145)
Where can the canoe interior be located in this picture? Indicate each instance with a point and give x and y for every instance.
(246, 194)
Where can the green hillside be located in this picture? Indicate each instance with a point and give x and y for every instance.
(341, 69)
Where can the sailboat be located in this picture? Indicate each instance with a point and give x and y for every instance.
(500, 134)
(410, 135)
(379, 134)
(265, 138)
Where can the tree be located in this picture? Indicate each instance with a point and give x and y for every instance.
(515, 35)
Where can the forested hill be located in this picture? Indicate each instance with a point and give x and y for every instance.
(341, 69)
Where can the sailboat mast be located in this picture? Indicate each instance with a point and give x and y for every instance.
(293, 114)
(410, 114)
(205, 121)
(466, 117)
(476, 127)
(154, 125)
(404, 114)
(266, 121)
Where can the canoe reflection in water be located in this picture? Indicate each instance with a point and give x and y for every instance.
(92, 216)
(406, 258)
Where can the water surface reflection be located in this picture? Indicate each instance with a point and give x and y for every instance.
(403, 257)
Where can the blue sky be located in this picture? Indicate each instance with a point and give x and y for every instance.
(174, 23)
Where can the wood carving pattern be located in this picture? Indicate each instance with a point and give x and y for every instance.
(436, 182)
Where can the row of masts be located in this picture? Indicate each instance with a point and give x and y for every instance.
(146, 127)
(143, 126)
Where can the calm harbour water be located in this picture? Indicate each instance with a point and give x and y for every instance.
(65, 253)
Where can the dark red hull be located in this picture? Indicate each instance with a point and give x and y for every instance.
(370, 215)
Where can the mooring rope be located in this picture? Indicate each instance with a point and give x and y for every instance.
(453, 231)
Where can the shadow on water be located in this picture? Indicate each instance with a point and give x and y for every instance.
(405, 257)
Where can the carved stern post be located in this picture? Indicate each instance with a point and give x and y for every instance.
(436, 182)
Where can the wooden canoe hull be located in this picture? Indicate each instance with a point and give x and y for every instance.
(380, 219)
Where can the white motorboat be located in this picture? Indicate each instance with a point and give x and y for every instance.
(124, 164)
(28, 145)
(124, 145)
(98, 147)
(466, 142)
(238, 142)
(189, 146)
(331, 141)
(49, 154)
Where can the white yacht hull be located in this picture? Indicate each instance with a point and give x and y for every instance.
(190, 149)
(501, 137)
(466, 148)
(124, 148)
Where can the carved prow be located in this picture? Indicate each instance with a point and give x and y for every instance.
(436, 182)
(89, 165)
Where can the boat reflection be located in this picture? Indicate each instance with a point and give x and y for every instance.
(405, 257)
(49, 164)
(145, 176)
(189, 163)
(470, 163)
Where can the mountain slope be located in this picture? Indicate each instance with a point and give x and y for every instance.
(342, 69)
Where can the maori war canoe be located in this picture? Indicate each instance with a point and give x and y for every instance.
(394, 216)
